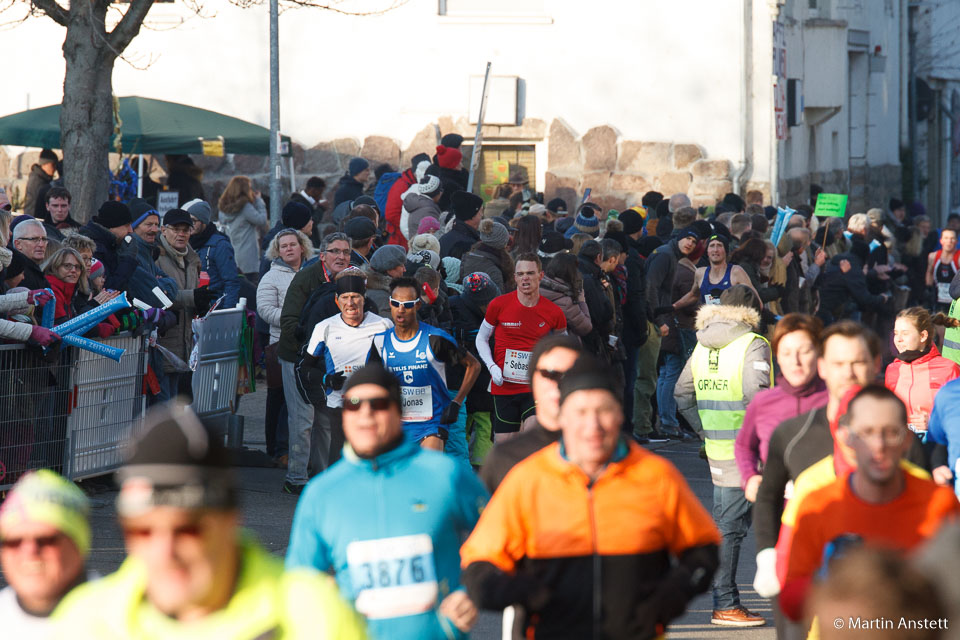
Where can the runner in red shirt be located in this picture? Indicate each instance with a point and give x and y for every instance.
(516, 321)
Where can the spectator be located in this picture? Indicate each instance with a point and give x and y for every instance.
(585, 222)
(750, 257)
(215, 253)
(84, 246)
(468, 212)
(146, 229)
(288, 251)
(66, 275)
(489, 256)
(56, 213)
(386, 263)
(111, 230)
(556, 208)
(552, 245)
(425, 242)
(362, 233)
(311, 196)
(179, 261)
(41, 175)
(30, 241)
(184, 177)
(243, 215)
(429, 225)
(350, 186)
(394, 206)
(740, 225)
(529, 233)
(599, 300)
(421, 204)
(295, 215)
(562, 285)
(451, 172)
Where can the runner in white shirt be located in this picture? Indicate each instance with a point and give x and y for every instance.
(337, 346)
(44, 542)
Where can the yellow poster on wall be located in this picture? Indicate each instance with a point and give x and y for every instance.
(501, 171)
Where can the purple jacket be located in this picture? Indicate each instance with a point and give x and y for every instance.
(764, 414)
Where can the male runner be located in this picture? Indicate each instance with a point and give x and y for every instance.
(417, 354)
(710, 282)
(516, 321)
(942, 265)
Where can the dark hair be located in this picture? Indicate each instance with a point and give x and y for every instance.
(529, 256)
(739, 223)
(548, 343)
(651, 199)
(515, 201)
(360, 211)
(895, 203)
(58, 192)
(878, 391)
(564, 268)
(610, 248)
(382, 169)
(752, 251)
(316, 182)
(812, 325)
(529, 233)
(852, 329)
(759, 222)
(405, 282)
(590, 249)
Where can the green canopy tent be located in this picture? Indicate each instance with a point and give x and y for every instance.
(149, 126)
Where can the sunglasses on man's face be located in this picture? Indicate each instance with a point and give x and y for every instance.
(406, 304)
(42, 542)
(376, 404)
(551, 374)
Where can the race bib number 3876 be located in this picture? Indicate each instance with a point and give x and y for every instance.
(393, 577)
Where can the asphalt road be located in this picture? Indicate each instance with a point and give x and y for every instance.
(268, 513)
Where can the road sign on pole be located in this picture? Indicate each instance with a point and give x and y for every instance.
(478, 139)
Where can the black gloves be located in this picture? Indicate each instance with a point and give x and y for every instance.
(202, 299)
(334, 380)
(450, 414)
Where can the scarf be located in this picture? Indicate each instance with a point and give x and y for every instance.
(201, 238)
(815, 384)
(620, 274)
(63, 292)
(179, 256)
(910, 356)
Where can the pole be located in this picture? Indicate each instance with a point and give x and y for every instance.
(140, 176)
(275, 170)
(478, 138)
(912, 105)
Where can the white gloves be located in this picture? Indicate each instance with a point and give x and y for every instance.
(765, 583)
(496, 374)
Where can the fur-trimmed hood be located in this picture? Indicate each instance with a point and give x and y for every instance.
(718, 325)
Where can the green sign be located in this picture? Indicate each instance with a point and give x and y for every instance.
(831, 205)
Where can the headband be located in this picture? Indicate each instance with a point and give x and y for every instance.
(351, 284)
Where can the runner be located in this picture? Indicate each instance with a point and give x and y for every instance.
(337, 347)
(710, 282)
(942, 265)
(418, 354)
(388, 518)
(516, 321)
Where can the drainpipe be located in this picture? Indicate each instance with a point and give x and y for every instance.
(746, 101)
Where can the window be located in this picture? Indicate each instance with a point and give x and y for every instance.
(498, 163)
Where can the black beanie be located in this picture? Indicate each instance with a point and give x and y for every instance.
(651, 199)
(632, 221)
(295, 215)
(465, 204)
(588, 373)
(113, 214)
(378, 375)
(452, 140)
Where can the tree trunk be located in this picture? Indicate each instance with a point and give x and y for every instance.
(86, 120)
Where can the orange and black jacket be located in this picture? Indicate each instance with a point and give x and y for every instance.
(592, 559)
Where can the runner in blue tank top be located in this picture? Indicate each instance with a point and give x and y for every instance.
(417, 354)
(710, 282)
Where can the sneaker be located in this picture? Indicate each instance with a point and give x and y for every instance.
(292, 489)
(738, 617)
(656, 437)
(640, 439)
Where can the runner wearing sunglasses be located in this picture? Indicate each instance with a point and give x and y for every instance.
(516, 321)
(397, 554)
(418, 355)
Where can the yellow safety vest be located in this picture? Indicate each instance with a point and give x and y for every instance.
(951, 337)
(718, 380)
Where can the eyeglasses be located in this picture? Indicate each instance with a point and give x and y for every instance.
(42, 239)
(339, 252)
(551, 374)
(376, 404)
(42, 542)
(70, 266)
(889, 438)
(406, 304)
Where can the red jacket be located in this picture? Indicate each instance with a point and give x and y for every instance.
(394, 207)
(917, 382)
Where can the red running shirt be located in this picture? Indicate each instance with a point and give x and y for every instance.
(516, 331)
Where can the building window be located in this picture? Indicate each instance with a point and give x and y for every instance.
(498, 162)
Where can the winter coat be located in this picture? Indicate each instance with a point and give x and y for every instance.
(453, 180)
(119, 261)
(33, 277)
(458, 240)
(347, 189)
(304, 283)
(718, 326)
(185, 271)
(489, 261)
(242, 227)
(55, 231)
(635, 311)
(841, 293)
(661, 268)
(270, 293)
(216, 258)
(394, 208)
(577, 313)
(148, 270)
(467, 318)
(378, 290)
(38, 183)
(416, 207)
(767, 293)
(764, 414)
(917, 382)
(17, 331)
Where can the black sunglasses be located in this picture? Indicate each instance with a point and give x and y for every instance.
(550, 374)
(376, 404)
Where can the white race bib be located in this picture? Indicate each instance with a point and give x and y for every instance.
(709, 299)
(417, 404)
(515, 364)
(393, 577)
(943, 293)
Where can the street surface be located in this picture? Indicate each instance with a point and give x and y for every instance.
(268, 513)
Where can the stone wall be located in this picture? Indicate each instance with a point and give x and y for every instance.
(866, 186)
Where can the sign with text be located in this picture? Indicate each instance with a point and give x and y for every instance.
(831, 205)
(167, 200)
(213, 147)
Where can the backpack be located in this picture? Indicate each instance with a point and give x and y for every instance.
(382, 190)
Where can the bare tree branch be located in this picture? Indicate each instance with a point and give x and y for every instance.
(129, 26)
(53, 9)
(328, 5)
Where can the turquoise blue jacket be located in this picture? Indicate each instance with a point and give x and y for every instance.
(944, 424)
(391, 529)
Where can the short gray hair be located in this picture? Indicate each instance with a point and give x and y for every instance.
(678, 201)
(20, 231)
(858, 222)
(80, 242)
(336, 236)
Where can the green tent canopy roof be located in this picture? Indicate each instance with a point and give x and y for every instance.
(148, 126)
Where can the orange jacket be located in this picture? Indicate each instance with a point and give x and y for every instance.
(592, 559)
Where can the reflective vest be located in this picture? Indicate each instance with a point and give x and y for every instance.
(951, 337)
(718, 380)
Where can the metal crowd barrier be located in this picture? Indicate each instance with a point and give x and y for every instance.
(215, 378)
(70, 411)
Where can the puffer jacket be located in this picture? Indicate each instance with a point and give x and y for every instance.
(242, 228)
(488, 260)
(185, 271)
(270, 294)
(217, 259)
(577, 313)
(718, 326)
(416, 207)
(918, 381)
(394, 208)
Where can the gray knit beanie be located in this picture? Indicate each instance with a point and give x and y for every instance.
(493, 233)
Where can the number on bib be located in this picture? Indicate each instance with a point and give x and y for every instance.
(393, 577)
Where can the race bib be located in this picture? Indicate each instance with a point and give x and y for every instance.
(417, 404)
(515, 364)
(709, 299)
(943, 293)
(393, 577)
